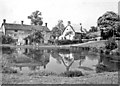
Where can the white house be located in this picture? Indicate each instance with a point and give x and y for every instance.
(71, 31)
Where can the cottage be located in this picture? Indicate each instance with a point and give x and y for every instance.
(20, 31)
(71, 32)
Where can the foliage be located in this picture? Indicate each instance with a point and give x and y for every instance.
(64, 42)
(36, 18)
(93, 29)
(58, 29)
(36, 37)
(56, 32)
(109, 21)
(7, 50)
(8, 70)
(75, 73)
(7, 39)
(111, 44)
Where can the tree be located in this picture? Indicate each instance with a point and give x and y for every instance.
(7, 39)
(93, 29)
(60, 25)
(110, 21)
(56, 32)
(36, 18)
(58, 29)
(111, 44)
(36, 37)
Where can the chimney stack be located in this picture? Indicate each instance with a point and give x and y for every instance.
(4, 20)
(22, 22)
(69, 22)
(46, 24)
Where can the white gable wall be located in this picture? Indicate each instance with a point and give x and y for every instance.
(70, 36)
(3, 29)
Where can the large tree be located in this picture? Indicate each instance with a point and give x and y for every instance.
(58, 29)
(36, 18)
(111, 22)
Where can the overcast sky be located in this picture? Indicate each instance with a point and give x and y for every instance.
(76, 11)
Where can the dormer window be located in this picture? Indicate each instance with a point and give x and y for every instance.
(16, 30)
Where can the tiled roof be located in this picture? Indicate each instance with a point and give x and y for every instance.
(9, 26)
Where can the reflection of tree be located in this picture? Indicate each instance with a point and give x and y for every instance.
(32, 67)
(56, 55)
(81, 57)
(63, 56)
(39, 56)
(67, 57)
(107, 64)
(68, 63)
(7, 50)
(78, 56)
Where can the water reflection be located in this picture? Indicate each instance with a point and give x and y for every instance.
(60, 60)
(107, 63)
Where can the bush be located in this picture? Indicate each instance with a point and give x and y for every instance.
(7, 39)
(111, 44)
(72, 74)
(8, 70)
(64, 42)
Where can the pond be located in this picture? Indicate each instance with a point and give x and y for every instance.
(27, 60)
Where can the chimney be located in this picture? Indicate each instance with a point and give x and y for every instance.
(22, 22)
(69, 22)
(4, 20)
(46, 24)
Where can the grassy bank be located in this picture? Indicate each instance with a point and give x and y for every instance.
(101, 78)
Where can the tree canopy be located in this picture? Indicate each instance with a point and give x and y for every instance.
(58, 29)
(108, 20)
(111, 22)
(36, 37)
(36, 18)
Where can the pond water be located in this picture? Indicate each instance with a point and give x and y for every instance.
(55, 60)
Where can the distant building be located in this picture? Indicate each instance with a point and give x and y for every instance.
(20, 31)
(71, 32)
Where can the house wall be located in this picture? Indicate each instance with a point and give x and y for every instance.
(19, 35)
(70, 36)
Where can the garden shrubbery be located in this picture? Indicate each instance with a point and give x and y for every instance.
(7, 39)
(111, 44)
(64, 42)
(72, 73)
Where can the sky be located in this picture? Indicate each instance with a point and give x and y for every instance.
(77, 11)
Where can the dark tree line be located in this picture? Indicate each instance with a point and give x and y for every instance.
(111, 22)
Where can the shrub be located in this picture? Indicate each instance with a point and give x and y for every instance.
(7, 39)
(111, 44)
(72, 74)
(8, 70)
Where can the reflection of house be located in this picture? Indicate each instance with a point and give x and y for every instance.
(21, 58)
(71, 32)
(20, 31)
